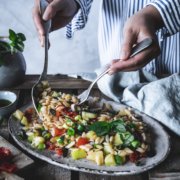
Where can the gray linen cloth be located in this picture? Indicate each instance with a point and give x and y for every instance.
(158, 98)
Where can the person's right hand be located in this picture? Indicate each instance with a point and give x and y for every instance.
(60, 11)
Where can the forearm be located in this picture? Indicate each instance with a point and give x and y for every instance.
(154, 16)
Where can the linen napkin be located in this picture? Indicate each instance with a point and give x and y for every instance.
(158, 98)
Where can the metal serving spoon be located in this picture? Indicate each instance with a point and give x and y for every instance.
(36, 89)
(136, 49)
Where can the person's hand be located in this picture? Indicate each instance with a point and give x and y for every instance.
(138, 27)
(60, 11)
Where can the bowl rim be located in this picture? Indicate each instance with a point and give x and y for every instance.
(8, 99)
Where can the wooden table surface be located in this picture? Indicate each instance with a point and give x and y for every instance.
(41, 170)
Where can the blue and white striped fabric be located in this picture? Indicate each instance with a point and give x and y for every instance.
(113, 15)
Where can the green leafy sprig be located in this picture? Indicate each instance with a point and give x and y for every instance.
(15, 43)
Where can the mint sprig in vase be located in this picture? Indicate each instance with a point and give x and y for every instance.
(12, 62)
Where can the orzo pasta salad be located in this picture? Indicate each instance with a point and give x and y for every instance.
(99, 134)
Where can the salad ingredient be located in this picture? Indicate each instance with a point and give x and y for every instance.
(78, 154)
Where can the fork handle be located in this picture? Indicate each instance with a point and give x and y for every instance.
(135, 50)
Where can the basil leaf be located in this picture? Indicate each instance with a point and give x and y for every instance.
(19, 46)
(21, 36)
(100, 128)
(118, 126)
(12, 35)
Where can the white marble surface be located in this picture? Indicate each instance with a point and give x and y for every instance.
(79, 54)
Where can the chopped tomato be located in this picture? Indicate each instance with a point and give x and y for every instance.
(57, 132)
(50, 146)
(72, 114)
(134, 157)
(59, 151)
(60, 108)
(28, 113)
(5, 154)
(68, 112)
(58, 113)
(82, 141)
(8, 167)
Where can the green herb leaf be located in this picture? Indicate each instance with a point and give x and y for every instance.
(127, 138)
(118, 126)
(118, 159)
(71, 131)
(16, 43)
(135, 143)
(80, 128)
(19, 46)
(39, 107)
(12, 35)
(21, 36)
(60, 140)
(100, 128)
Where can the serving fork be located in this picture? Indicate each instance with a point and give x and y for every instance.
(35, 92)
(136, 49)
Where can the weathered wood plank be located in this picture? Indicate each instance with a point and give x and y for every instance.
(44, 171)
(86, 176)
(56, 81)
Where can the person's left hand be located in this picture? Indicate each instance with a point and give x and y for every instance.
(138, 27)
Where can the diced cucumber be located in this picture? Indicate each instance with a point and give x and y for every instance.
(80, 128)
(41, 146)
(37, 140)
(71, 132)
(65, 126)
(109, 160)
(135, 143)
(78, 154)
(30, 136)
(88, 115)
(18, 115)
(119, 159)
(117, 140)
(46, 134)
(60, 140)
(69, 122)
(24, 121)
(78, 118)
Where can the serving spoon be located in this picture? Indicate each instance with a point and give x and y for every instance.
(36, 89)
